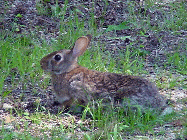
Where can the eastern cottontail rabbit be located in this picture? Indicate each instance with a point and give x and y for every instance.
(76, 83)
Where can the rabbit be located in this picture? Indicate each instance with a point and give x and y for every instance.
(74, 84)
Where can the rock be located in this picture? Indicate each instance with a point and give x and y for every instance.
(7, 106)
(167, 110)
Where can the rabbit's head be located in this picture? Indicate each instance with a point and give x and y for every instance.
(62, 61)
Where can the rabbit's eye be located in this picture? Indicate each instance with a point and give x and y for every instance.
(57, 57)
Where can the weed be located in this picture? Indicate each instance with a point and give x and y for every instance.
(43, 7)
(178, 61)
(112, 121)
(121, 26)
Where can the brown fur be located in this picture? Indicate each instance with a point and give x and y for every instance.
(75, 83)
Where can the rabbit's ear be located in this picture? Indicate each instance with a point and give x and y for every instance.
(81, 45)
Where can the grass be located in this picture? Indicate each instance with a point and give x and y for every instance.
(178, 61)
(19, 62)
(110, 124)
(174, 19)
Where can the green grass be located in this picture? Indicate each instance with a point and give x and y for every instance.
(178, 61)
(111, 123)
(20, 57)
(120, 121)
(19, 61)
(173, 19)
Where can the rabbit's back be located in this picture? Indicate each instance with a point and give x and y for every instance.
(84, 85)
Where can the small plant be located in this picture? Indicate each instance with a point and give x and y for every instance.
(19, 16)
(121, 26)
(58, 11)
(178, 61)
(43, 7)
